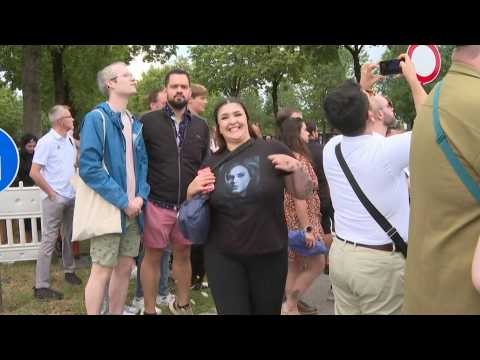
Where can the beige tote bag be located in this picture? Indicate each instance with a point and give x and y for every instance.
(93, 215)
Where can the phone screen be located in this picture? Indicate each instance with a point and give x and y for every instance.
(390, 67)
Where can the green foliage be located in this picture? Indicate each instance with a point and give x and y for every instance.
(153, 53)
(80, 66)
(224, 69)
(396, 88)
(10, 112)
(319, 79)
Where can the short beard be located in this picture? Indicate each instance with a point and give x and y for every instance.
(177, 105)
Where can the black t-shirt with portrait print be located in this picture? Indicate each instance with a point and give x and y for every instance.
(247, 213)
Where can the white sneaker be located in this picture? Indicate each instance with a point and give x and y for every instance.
(129, 310)
(157, 310)
(165, 300)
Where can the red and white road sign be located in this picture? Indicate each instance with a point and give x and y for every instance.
(427, 61)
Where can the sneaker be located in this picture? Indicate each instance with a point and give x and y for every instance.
(129, 310)
(157, 310)
(176, 310)
(306, 309)
(165, 300)
(138, 304)
(73, 279)
(47, 294)
(285, 311)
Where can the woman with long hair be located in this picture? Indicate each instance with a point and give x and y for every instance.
(246, 254)
(27, 149)
(301, 215)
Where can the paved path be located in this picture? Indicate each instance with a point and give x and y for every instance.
(317, 295)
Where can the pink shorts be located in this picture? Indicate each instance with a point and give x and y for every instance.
(161, 228)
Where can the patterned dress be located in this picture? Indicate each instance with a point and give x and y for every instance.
(313, 203)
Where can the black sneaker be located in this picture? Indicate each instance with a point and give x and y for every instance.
(305, 309)
(73, 279)
(47, 294)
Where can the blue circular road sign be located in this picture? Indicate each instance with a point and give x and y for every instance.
(9, 160)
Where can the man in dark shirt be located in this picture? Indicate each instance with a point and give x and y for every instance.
(177, 143)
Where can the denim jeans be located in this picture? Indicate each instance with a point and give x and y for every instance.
(164, 275)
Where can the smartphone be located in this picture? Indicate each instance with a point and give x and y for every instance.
(390, 67)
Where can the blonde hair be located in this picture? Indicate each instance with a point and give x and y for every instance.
(106, 74)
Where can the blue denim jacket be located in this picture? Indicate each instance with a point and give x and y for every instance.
(112, 186)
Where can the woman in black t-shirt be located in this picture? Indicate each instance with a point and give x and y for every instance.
(246, 255)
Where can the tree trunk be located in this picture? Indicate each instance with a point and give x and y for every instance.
(58, 75)
(355, 52)
(31, 55)
(275, 84)
(357, 67)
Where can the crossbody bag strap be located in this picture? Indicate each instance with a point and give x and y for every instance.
(442, 141)
(389, 229)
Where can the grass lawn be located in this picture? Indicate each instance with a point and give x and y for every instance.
(18, 279)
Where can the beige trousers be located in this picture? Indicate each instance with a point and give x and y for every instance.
(366, 281)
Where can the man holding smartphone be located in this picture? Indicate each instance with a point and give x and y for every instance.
(365, 268)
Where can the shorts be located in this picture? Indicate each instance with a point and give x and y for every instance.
(106, 249)
(161, 228)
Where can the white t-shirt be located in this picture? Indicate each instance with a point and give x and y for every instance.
(56, 155)
(377, 164)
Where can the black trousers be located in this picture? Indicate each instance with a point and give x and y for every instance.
(246, 284)
(198, 264)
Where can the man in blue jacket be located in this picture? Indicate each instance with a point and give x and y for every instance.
(124, 185)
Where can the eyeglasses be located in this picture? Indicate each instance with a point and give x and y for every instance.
(127, 75)
(65, 117)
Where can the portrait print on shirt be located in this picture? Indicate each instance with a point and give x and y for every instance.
(240, 178)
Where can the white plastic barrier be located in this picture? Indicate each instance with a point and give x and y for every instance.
(17, 205)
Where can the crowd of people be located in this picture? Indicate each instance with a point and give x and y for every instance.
(356, 200)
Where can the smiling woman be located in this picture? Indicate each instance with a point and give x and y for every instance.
(247, 228)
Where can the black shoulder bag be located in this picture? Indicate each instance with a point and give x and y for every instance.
(400, 244)
(194, 214)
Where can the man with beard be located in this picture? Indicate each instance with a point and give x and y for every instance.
(177, 143)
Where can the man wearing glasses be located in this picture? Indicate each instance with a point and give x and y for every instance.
(124, 185)
(52, 168)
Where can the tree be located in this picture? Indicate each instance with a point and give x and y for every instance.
(224, 69)
(355, 51)
(31, 57)
(10, 112)
(65, 74)
(319, 79)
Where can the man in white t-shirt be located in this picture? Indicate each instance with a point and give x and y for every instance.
(52, 167)
(366, 271)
